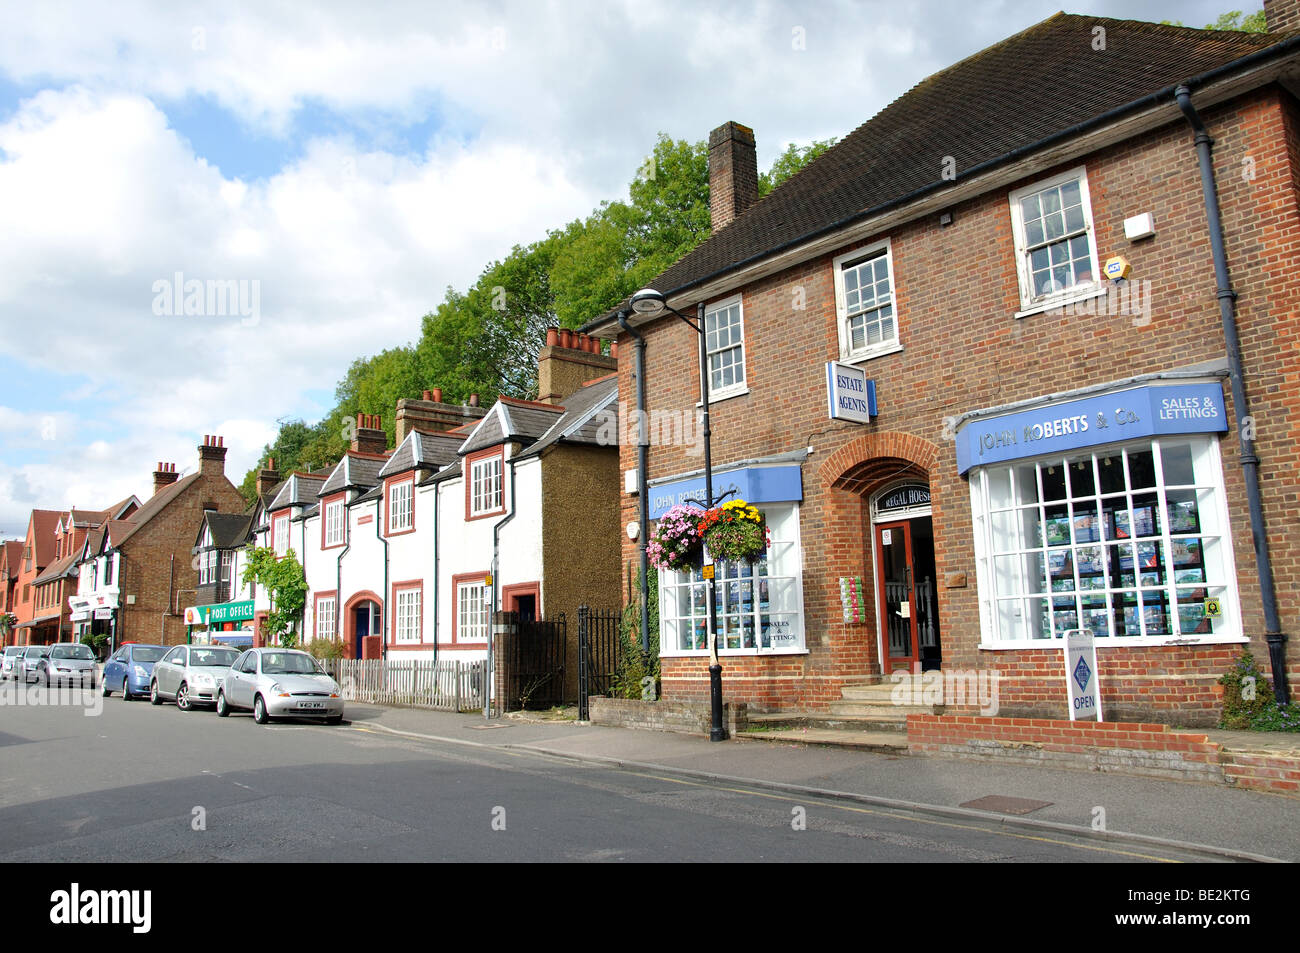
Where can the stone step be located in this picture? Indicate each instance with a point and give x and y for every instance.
(874, 740)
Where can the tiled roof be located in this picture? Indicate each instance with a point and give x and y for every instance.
(229, 530)
(449, 473)
(511, 419)
(298, 489)
(430, 451)
(57, 569)
(586, 418)
(353, 471)
(44, 523)
(1010, 98)
(152, 507)
(13, 553)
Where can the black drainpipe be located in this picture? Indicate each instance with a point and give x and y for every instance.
(496, 581)
(1273, 634)
(642, 463)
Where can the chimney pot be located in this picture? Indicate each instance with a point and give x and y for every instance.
(437, 395)
(552, 337)
(426, 395)
(473, 400)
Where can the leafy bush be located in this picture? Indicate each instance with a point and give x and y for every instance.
(1248, 702)
(325, 650)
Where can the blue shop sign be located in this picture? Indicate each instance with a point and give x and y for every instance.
(1091, 421)
(779, 484)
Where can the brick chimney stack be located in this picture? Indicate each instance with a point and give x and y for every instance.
(733, 173)
(430, 415)
(165, 475)
(267, 477)
(370, 436)
(566, 362)
(1280, 15)
(212, 456)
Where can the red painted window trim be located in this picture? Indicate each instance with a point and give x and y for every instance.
(458, 580)
(470, 460)
(340, 498)
(406, 585)
(389, 483)
(315, 615)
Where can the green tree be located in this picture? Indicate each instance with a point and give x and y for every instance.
(791, 161)
(286, 589)
(485, 339)
(1232, 20)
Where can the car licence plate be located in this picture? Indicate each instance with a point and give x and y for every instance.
(309, 705)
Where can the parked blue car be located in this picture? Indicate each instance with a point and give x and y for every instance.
(130, 668)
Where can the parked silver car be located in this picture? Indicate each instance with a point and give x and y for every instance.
(8, 662)
(25, 668)
(278, 683)
(68, 662)
(190, 675)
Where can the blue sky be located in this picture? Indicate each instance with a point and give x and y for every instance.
(349, 162)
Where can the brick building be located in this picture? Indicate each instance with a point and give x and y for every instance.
(36, 624)
(11, 557)
(965, 438)
(147, 559)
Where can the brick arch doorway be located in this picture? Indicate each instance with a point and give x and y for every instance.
(363, 617)
(906, 577)
(892, 547)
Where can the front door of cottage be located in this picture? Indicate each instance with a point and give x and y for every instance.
(903, 538)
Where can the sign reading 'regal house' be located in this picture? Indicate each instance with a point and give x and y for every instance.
(850, 395)
(1091, 421)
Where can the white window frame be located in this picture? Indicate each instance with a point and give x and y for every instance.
(335, 524)
(1229, 629)
(693, 584)
(840, 265)
(330, 631)
(463, 623)
(401, 515)
(407, 605)
(1029, 302)
(740, 386)
(484, 499)
(280, 534)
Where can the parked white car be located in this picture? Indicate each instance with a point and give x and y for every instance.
(279, 683)
(190, 675)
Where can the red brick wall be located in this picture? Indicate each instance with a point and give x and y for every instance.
(956, 291)
(158, 563)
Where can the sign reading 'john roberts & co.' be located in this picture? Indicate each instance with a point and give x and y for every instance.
(1091, 421)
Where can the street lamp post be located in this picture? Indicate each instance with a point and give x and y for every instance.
(651, 303)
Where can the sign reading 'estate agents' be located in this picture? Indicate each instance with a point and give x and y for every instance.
(850, 394)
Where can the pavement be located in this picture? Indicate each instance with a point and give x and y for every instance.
(1226, 823)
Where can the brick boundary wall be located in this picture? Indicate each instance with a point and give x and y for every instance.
(1150, 750)
(666, 716)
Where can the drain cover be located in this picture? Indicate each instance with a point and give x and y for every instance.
(1001, 804)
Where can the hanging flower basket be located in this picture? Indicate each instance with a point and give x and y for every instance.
(734, 532)
(676, 543)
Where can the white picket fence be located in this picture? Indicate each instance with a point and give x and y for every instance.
(445, 685)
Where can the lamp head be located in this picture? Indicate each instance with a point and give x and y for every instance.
(649, 302)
